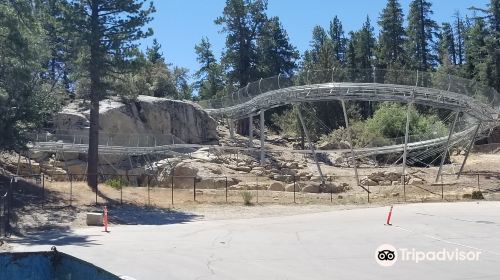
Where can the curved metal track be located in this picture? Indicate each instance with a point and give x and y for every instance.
(361, 92)
(243, 104)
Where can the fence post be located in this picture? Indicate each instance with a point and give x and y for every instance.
(257, 199)
(294, 189)
(9, 203)
(194, 188)
(121, 194)
(71, 190)
(226, 189)
(404, 187)
(43, 190)
(149, 197)
(96, 190)
(478, 181)
(368, 192)
(442, 187)
(331, 190)
(172, 188)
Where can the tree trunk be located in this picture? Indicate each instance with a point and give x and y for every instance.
(242, 127)
(93, 152)
(95, 94)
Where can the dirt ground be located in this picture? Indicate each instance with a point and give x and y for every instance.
(63, 205)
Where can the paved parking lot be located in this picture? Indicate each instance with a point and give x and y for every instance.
(329, 245)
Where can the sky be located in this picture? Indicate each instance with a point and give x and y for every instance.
(180, 24)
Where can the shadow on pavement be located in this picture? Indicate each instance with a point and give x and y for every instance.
(135, 215)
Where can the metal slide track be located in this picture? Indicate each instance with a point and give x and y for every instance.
(456, 94)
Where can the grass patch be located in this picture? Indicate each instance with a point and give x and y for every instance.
(247, 198)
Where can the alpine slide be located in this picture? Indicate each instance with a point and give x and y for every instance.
(473, 110)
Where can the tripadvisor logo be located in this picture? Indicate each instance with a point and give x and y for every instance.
(388, 255)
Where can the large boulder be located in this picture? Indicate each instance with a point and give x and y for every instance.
(311, 188)
(342, 145)
(127, 124)
(368, 182)
(277, 186)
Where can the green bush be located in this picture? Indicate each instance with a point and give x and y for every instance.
(247, 198)
(477, 195)
(386, 125)
(115, 183)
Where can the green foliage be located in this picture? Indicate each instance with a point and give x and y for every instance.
(389, 121)
(242, 22)
(289, 124)
(421, 33)
(478, 63)
(361, 47)
(339, 41)
(210, 76)
(387, 126)
(26, 101)
(477, 195)
(247, 198)
(276, 55)
(446, 45)
(106, 32)
(115, 183)
(390, 50)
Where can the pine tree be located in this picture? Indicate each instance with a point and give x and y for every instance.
(476, 53)
(421, 33)
(339, 41)
(391, 53)
(24, 103)
(363, 43)
(242, 22)
(153, 53)
(275, 53)
(447, 51)
(494, 41)
(459, 33)
(320, 59)
(108, 30)
(210, 75)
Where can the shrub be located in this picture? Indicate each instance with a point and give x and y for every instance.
(115, 183)
(389, 122)
(477, 195)
(247, 198)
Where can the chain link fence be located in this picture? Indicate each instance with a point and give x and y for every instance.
(148, 191)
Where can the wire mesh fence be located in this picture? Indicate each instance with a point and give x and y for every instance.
(148, 191)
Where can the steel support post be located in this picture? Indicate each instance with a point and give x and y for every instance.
(250, 131)
(445, 152)
(311, 146)
(407, 135)
(469, 148)
(262, 138)
(349, 134)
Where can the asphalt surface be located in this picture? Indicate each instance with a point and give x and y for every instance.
(327, 245)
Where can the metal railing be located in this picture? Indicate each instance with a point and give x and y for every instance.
(431, 80)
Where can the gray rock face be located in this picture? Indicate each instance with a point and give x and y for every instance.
(146, 116)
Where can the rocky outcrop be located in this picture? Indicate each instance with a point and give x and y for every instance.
(386, 178)
(146, 116)
(206, 175)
